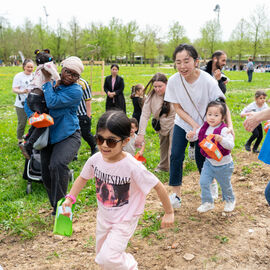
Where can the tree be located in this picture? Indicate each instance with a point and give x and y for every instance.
(74, 36)
(257, 28)
(239, 39)
(176, 36)
(210, 36)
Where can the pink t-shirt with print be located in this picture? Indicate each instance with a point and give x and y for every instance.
(121, 187)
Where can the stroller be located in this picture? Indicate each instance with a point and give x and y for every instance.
(32, 170)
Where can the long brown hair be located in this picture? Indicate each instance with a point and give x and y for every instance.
(149, 90)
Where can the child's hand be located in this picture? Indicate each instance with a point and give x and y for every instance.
(167, 220)
(66, 203)
(218, 138)
(140, 153)
(191, 134)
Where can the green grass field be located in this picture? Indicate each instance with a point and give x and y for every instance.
(21, 213)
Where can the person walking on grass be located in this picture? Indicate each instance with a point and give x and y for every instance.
(250, 69)
(221, 170)
(20, 85)
(122, 184)
(163, 112)
(257, 134)
(189, 90)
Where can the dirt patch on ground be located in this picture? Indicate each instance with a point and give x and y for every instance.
(214, 240)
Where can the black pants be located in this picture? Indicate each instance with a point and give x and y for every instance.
(257, 133)
(54, 166)
(85, 125)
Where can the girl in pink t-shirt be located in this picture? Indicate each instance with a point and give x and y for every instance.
(122, 184)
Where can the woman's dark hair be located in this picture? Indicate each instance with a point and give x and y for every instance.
(115, 65)
(186, 47)
(149, 90)
(116, 122)
(220, 102)
(26, 61)
(260, 93)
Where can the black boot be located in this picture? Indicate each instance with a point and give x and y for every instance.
(247, 147)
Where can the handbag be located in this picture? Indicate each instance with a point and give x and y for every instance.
(156, 122)
(210, 148)
(41, 120)
(63, 224)
(42, 141)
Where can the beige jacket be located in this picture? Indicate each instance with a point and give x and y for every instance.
(152, 105)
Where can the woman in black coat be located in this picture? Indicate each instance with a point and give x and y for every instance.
(114, 88)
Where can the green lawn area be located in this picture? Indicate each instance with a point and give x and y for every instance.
(20, 213)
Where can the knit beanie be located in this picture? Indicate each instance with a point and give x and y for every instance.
(74, 63)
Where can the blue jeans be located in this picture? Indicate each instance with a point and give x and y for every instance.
(267, 193)
(223, 175)
(179, 144)
(249, 73)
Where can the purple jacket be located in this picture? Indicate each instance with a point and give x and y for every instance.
(202, 136)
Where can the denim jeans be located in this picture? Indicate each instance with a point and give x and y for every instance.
(249, 73)
(223, 175)
(179, 144)
(267, 193)
(54, 166)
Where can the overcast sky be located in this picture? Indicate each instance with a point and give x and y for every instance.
(192, 14)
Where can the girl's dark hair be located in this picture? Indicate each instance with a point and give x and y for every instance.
(260, 93)
(186, 47)
(134, 89)
(149, 90)
(134, 121)
(220, 102)
(26, 61)
(116, 122)
(115, 65)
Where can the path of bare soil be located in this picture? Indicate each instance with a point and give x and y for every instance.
(239, 240)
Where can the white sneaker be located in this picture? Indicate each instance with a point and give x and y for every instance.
(205, 207)
(191, 152)
(175, 201)
(214, 190)
(229, 206)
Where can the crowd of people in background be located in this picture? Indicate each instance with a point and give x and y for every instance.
(186, 108)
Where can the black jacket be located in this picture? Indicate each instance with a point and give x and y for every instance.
(221, 84)
(118, 101)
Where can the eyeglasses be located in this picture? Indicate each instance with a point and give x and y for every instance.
(72, 74)
(110, 142)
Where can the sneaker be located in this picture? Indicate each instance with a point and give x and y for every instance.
(175, 201)
(191, 152)
(247, 147)
(229, 206)
(205, 207)
(214, 190)
(24, 151)
(256, 151)
(157, 170)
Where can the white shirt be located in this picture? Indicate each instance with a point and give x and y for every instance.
(22, 81)
(253, 107)
(202, 91)
(130, 146)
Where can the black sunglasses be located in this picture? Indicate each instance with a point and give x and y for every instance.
(110, 142)
(72, 74)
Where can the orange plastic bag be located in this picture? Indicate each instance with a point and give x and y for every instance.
(266, 126)
(140, 158)
(210, 148)
(41, 120)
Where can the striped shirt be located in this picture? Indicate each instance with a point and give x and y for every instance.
(86, 96)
